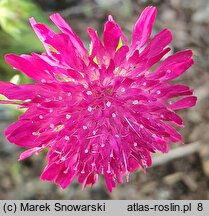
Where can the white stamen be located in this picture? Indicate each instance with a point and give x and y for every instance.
(47, 100)
(108, 171)
(41, 117)
(116, 135)
(154, 135)
(83, 170)
(58, 152)
(63, 159)
(94, 132)
(68, 116)
(108, 104)
(60, 98)
(85, 127)
(89, 108)
(135, 102)
(51, 126)
(141, 126)
(113, 115)
(86, 151)
(76, 167)
(125, 162)
(36, 133)
(67, 138)
(123, 89)
(158, 92)
(43, 80)
(135, 144)
(50, 110)
(104, 58)
(168, 71)
(89, 93)
(66, 171)
(144, 83)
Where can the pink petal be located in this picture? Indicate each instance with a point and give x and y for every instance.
(120, 56)
(28, 65)
(174, 136)
(152, 53)
(51, 172)
(173, 66)
(65, 28)
(97, 47)
(18, 131)
(112, 35)
(110, 183)
(65, 179)
(41, 34)
(172, 91)
(134, 165)
(67, 52)
(143, 27)
(30, 152)
(162, 145)
(184, 103)
(157, 44)
(172, 117)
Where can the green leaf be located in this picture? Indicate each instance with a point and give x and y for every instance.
(15, 14)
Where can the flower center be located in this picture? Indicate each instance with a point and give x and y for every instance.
(109, 91)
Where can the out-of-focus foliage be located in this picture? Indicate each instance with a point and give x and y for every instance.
(16, 36)
(15, 33)
(14, 16)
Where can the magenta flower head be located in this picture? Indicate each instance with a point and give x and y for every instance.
(102, 111)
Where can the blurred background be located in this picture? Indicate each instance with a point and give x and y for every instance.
(181, 174)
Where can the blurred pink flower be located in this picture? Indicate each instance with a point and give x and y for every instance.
(101, 112)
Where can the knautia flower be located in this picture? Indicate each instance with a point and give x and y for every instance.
(102, 111)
